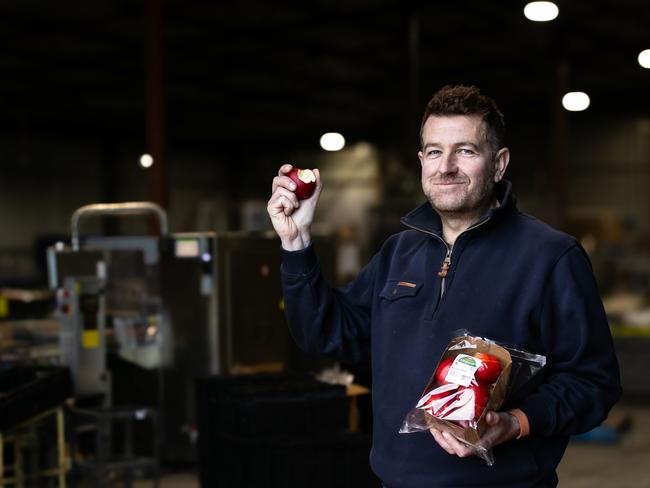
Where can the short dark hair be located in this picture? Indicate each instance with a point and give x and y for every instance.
(468, 100)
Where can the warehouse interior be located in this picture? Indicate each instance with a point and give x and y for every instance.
(141, 310)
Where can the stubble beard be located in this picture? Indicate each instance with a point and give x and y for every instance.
(465, 203)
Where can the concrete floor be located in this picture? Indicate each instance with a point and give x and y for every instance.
(625, 464)
(622, 465)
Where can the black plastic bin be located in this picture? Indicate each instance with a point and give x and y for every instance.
(298, 408)
(271, 404)
(332, 461)
(26, 391)
(278, 430)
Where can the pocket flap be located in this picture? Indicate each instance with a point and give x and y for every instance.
(395, 289)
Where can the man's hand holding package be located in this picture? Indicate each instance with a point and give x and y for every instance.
(502, 427)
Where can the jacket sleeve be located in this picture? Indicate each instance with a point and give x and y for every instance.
(322, 319)
(581, 379)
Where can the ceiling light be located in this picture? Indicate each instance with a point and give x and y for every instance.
(541, 11)
(332, 141)
(644, 58)
(146, 161)
(575, 101)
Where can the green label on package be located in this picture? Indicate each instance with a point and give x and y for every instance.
(461, 371)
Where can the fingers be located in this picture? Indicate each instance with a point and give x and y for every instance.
(279, 205)
(452, 445)
(283, 182)
(289, 197)
(282, 201)
(442, 442)
(501, 428)
(461, 449)
(284, 169)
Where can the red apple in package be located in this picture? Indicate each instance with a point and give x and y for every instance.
(457, 396)
(443, 369)
(305, 181)
(479, 395)
(439, 399)
(489, 369)
(472, 376)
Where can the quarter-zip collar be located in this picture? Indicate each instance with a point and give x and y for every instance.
(425, 219)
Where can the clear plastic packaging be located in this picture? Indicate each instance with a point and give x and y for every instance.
(474, 375)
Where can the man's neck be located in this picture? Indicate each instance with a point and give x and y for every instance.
(455, 223)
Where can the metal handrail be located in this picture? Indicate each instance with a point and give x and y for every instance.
(125, 208)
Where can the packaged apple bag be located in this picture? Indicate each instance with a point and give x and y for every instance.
(474, 375)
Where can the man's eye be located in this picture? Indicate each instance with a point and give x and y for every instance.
(433, 152)
(466, 152)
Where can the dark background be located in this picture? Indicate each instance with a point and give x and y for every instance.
(223, 92)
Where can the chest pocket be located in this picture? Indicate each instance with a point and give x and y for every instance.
(394, 289)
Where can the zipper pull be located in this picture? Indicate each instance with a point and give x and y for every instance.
(445, 266)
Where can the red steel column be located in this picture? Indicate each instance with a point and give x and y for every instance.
(155, 117)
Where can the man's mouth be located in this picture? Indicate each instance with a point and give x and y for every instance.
(448, 183)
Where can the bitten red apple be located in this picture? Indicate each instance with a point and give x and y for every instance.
(305, 181)
(489, 370)
(443, 369)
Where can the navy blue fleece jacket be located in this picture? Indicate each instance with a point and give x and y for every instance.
(511, 278)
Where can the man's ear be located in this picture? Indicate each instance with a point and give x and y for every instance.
(421, 158)
(501, 161)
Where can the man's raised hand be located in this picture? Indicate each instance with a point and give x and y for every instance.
(292, 218)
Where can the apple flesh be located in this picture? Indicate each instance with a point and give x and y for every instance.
(305, 181)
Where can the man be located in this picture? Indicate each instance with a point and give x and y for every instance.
(470, 261)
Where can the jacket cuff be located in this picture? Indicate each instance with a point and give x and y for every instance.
(299, 262)
(524, 426)
(540, 418)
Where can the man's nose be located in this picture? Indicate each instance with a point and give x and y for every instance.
(448, 164)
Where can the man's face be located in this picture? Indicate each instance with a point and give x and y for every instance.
(459, 170)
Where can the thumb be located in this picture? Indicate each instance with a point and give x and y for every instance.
(492, 418)
(319, 181)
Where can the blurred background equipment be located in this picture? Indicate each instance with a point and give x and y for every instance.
(143, 316)
(32, 427)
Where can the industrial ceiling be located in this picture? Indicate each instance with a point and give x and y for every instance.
(264, 76)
